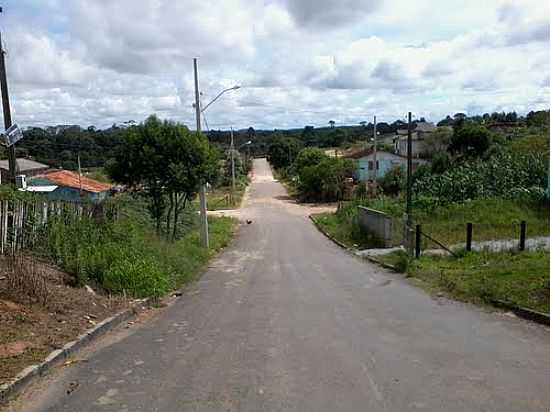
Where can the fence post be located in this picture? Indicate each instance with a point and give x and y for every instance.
(418, 242)
(522, 230)
(469, 232)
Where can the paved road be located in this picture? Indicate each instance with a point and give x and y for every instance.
(286, 321)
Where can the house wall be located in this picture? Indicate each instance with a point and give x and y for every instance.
(386, 162)
(418, 147)
(69, 194)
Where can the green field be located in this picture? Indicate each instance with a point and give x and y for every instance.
(519, 278)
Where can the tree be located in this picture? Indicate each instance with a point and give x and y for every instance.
(325, 181)
(470, 139)
(363, 124)
(282, 152)
(438, 141)
(167, 164)
(310, 156)
(331, 123)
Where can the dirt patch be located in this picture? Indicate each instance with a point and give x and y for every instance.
(41, 312)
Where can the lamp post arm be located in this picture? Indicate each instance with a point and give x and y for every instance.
(216, 98)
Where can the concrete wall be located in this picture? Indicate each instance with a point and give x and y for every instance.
(376, 223)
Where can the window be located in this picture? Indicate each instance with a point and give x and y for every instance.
(377, 165)
(371, 165)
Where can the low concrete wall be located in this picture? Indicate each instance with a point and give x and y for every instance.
(377, 224)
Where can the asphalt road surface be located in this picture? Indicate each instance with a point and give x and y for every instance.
(285, 321)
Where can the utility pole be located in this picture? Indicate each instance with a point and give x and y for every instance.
(409, 183)
(202, 193)
(12, 160)
(79, 175)
(375, 153)
(232, 162)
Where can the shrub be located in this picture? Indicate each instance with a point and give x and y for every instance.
(393, 181)
(325, 181)
(138, 276)
(310, 156)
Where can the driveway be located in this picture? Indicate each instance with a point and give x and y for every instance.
(285, 321)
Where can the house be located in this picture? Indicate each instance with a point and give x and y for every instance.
(419, 134)
(72, 187)
(385, 161)
(25, 167)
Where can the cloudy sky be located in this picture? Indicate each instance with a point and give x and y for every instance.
(97, 62)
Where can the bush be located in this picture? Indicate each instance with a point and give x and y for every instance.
(310, 156)
(326, 181)
(470, 139)
(394, 181)
(139, 276)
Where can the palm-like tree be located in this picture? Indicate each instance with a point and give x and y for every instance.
(332, 123)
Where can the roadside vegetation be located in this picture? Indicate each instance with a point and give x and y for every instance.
(517, 278)
(490, 171)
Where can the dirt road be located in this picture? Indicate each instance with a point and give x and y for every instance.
(285, 321)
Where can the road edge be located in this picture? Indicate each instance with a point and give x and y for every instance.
(348, 249)
(23, 379)
(524, 313)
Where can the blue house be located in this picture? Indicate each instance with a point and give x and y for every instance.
(385, 161)
(71, 187)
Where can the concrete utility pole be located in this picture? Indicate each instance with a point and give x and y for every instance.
(202, 194)
(7, 111)
(232, 162)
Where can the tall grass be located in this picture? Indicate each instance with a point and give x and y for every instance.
(126, 256)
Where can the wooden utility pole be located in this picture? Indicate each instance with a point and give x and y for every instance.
(7, 111)
(79, 175)
(409, 220)
(203, 206)
(232, 162)
(375, 153)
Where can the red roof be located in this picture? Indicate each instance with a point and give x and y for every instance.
(71, 179)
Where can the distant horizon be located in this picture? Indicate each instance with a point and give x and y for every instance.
(317, 126)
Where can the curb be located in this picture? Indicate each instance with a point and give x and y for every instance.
(337, 242)
(524, 313)
(31, 373)
(318, 226)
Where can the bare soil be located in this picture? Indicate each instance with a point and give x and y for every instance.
(34, 324)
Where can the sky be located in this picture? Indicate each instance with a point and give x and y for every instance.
(298, 62)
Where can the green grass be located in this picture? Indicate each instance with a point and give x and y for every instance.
(518, 278)
(223, 198)
(345, 231)
(491, 219)
(126, 256)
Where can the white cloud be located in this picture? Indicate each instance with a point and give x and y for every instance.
(299, 62)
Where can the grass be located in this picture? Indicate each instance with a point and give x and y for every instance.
(345, 231)
(491, 218)
(127, 257)
(519, 278)
(223, 199)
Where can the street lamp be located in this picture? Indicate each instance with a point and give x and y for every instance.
(202, 193)
(220, 95)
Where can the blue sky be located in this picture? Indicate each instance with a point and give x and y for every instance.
(298, 61)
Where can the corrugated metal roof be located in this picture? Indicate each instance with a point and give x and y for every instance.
(68, 178)
(24, 165)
